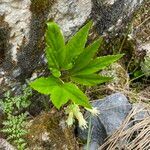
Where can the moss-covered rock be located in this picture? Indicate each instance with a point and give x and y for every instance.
(48, 132)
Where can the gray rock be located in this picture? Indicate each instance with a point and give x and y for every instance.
(4, 145)
(113, 15)
(71, 14)
(22, 28)
(98, 135)
(113, 111)
(142, 112)
(92, 146)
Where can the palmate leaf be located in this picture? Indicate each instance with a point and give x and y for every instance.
(60, 92)
(90, 79)
(86, 56)
(98, 64)
(45, 85)
(55, 43)
(76, 44)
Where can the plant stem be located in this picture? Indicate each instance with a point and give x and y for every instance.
(89, 133)
(139, 76)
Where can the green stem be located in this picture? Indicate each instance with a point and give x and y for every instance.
(139, 76)
(89, 133)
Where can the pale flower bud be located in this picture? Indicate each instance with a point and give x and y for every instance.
(70, 119)
(81, 120)
(94, 111)
(73, 110)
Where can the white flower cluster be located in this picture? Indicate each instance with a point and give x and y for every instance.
(73, 111)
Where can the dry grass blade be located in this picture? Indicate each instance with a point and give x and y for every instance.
(132, 135)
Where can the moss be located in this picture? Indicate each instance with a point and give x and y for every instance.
(39, 6)
(45, 132)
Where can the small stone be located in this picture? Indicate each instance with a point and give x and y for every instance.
(113, 111)
(16, 72)
(4, 145)
(142, 111)
(45, 136)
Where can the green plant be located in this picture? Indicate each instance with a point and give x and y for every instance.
(14, 124)
(71, 64)
(89, 133)
(14, 128)
(145, 66)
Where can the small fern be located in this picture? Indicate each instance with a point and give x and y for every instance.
(14, 128)
(14, 125)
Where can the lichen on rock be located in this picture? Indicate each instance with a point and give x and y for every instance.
(27, 21)
(113, 15)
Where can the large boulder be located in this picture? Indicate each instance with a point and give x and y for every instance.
(23, 23)
(113, 15)
(22, 27)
